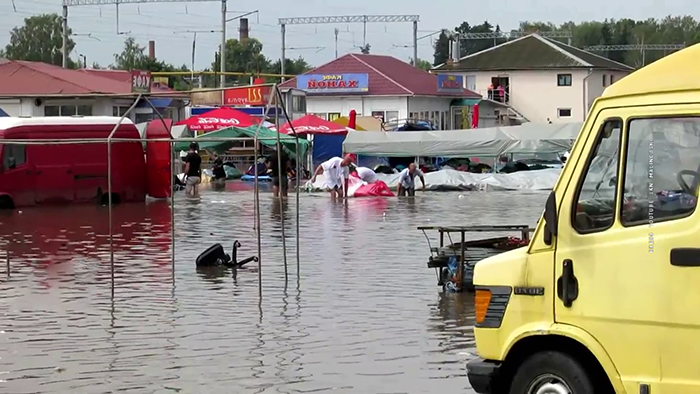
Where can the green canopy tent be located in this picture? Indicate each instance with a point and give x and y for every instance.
(266, 137)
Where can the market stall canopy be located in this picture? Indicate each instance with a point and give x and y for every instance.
(363, 123)
(312, 124)
(485, 142)
(218, 119)
(266, 137)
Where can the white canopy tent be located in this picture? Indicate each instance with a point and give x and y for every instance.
(486, 142)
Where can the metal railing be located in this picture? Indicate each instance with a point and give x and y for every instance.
(275, 97)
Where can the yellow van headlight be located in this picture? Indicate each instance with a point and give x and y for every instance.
(490, 303)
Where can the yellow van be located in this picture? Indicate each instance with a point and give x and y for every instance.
(606, 298)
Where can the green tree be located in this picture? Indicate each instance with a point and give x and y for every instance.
(39, 40)
(244, 57)
(669, 30)
(134, 57)
(422, 64)
(291, 66)
(442, 48)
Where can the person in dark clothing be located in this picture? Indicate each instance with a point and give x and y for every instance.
(218, 169)
(279, 155)
(193, 171)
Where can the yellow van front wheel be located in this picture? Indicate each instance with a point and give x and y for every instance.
(551, 372)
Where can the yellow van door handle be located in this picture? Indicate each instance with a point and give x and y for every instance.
(567, 284)
(685, 257)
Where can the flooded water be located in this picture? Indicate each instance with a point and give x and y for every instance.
(364, 315)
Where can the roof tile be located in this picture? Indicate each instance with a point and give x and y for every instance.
(532, 52)
(34, 78)
(388, 76)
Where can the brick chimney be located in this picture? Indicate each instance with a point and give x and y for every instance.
(152, 50)
(243, 29)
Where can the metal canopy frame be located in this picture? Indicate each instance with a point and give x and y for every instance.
(73, 3)
(364, 19)
(275, 99)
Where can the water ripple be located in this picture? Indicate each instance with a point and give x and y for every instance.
(365, 315)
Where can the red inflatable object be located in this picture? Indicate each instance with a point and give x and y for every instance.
(158, 157)
(377, 189)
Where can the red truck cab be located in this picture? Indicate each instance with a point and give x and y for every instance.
(44, 173)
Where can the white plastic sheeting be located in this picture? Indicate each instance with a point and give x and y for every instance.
(486, 142)
(449, 179)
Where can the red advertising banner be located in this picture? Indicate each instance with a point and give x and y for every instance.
(247, 96)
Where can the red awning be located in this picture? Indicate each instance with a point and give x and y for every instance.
(312, 124)
(219, 118)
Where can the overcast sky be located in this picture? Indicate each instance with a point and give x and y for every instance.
(167, 23)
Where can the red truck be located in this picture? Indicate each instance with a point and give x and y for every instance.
(33, 174)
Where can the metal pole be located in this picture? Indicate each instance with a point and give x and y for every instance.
(109, 187)
(415, 43)
(7, 261)
(336, 42)
(222, 53)
(298, 172)
(281, 175)
(172, 208)
(283, 60)
(64, 48)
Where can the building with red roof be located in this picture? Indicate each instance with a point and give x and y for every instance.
(40, 89)
(382, 86)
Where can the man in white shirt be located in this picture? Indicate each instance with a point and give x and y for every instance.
(336, 174)
(366, 174)
(407, 185)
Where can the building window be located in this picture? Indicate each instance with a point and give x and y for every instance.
(612, 79)
(378, 115)
(68, 110)
(298, 103)
(605, 80)
(392, 116)
(52, 110)
(564, 112)
(322, 116)
(119, 111)
(333, 116)
(563, 79)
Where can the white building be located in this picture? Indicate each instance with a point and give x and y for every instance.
(39, 89)
(542, 79)
(381, 86)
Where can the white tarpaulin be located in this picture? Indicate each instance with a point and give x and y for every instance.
(448, 179)
(486, 142)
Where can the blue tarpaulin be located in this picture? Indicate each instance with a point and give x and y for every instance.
(326, 146)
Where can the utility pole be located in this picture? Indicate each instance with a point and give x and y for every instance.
(68, 3)
(222, 52)
(64, 49)
(336, 31)
(364, 19)
(283, 59)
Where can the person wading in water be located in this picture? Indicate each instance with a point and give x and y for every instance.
(193, 171)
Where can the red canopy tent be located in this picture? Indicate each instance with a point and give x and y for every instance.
(312, 124)
(219, 118)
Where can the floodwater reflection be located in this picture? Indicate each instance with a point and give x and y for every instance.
(365, 314)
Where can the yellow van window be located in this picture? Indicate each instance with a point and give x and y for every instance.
(661, 170)
(595, 204)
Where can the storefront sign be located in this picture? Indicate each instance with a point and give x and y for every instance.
(450, 83)
(140, 81)
(333, 83)
(254, 95)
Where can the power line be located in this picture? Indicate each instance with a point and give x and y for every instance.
(635, 47)
(513, 34)
(67, 3)
(306, 20)
(364, 19)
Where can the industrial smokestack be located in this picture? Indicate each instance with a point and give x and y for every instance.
(152, 50)
(243, 29)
